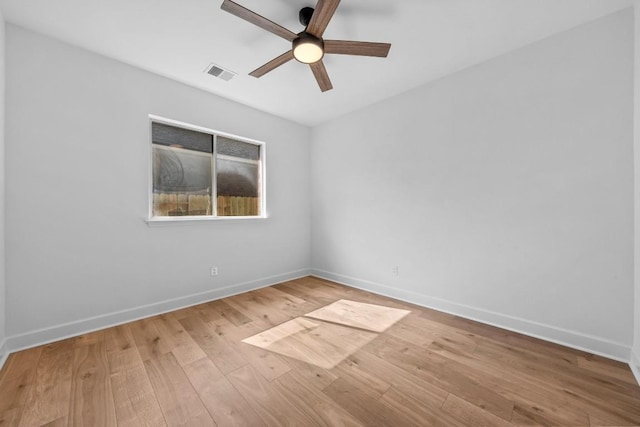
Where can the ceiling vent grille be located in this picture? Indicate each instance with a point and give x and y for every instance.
(219, 72)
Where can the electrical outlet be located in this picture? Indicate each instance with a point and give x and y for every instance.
(214, 271)
(395, 270)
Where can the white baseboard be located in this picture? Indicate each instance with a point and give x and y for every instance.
(4, 352)
(55, 333)
(561, 336)
(573, 339)
(635, 363)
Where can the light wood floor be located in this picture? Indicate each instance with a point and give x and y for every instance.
(192, 368)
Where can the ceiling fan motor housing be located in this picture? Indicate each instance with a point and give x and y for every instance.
(305, 15)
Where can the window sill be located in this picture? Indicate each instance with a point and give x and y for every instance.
(174, 220)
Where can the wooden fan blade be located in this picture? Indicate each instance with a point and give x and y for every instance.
(272, 65)
(321, 76)
(321, 16)
(262, 22)
(346, 47)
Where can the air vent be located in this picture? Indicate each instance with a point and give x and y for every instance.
(219, 72)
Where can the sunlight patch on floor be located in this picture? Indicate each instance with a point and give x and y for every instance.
(327, 336)
(376, 318)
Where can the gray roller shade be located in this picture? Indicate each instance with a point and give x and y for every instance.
(178, 137)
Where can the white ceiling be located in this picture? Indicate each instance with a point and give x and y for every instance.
(180, 38)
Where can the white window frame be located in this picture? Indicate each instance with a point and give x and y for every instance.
(151, 219)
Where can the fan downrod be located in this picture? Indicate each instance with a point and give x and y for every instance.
(305, 15)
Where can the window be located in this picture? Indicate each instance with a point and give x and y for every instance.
(198, 172)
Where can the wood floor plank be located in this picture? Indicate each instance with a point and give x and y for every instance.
(285, 302)
(11, 417)
(532, 403)
(503, 336)
(610, 368)
(89, 338)
(555, 377)
(60, 422)
(422, 337)
(120, 361)
(369, 297)
(471, 415)
(135, 401)
(183, 347)
(209, 312)
(444, 374)
(251, 305)
(179, 402)
(92, 398)
(149, 341)
(549, 365)
(583, 389)
(225, 357)
(299, 289)
(18, 376)
(48, 398)
(350, 367)
(533, 414)
(314, 403)
(203, 310)
(224, 328)
(423, 392)
(530, 361)
(269, 364)
(597, 422)
(280, 299)
(266, 399)
(424, 332)
(226, 406)
(229, 313)
(511, 339)
(366, 408)
(419, 413)
(119, 338)
(314, 375)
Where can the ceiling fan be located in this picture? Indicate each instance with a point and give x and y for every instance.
(307, 46)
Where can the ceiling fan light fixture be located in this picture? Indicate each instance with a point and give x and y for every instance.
(308, 49)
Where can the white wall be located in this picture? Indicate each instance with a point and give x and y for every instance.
(3, 309)
(635, 359)
(503, 192)
(77, 181)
